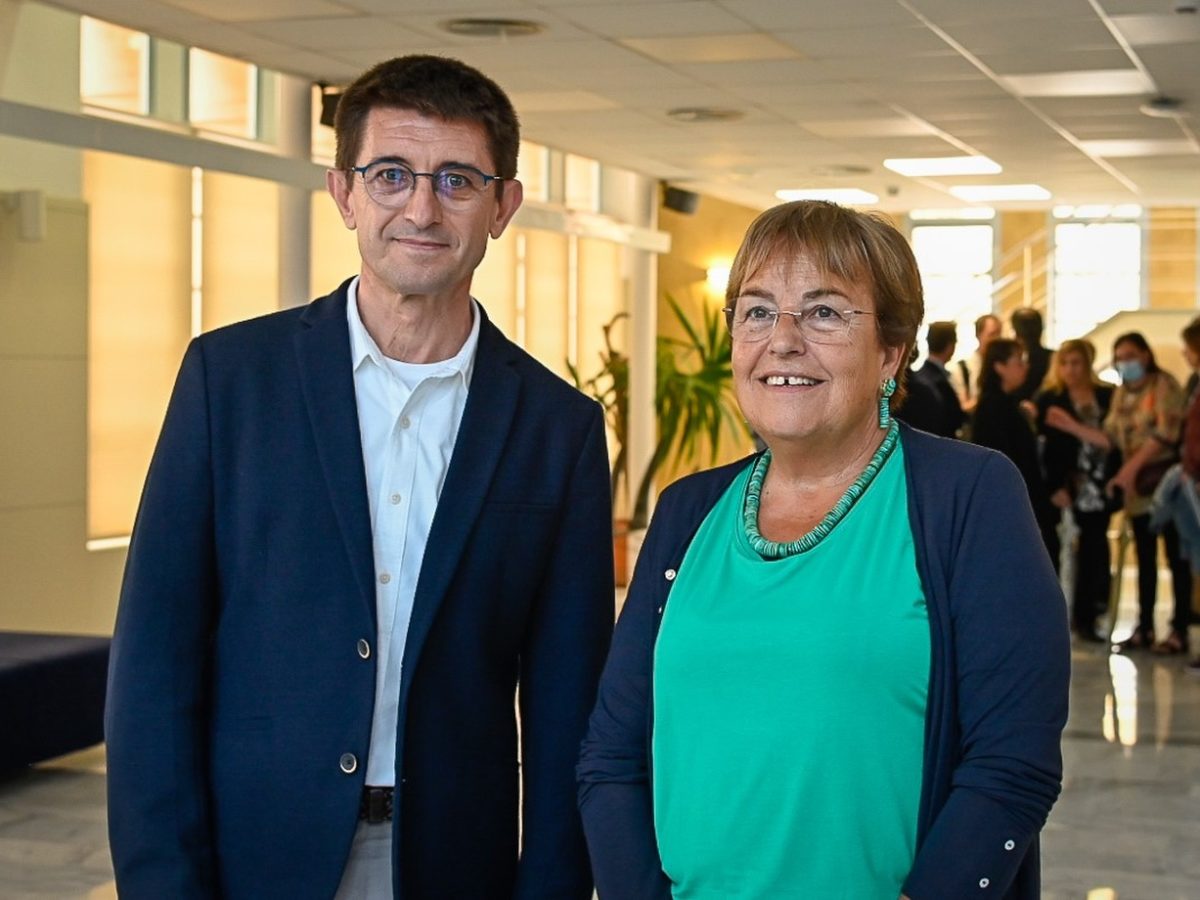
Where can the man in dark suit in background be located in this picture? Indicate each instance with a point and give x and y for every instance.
(932, 403)
(1027, 326)
(369, 526)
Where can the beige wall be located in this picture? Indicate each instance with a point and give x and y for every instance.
(1022, 254)
(1171, 259)
(51, 581)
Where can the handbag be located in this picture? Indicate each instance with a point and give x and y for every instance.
(1149, 475)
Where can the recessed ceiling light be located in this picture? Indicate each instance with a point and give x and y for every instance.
(943, 165)
(489, 27)
(985, 193)
(1093, 83)
(705, 114)
(833, 195)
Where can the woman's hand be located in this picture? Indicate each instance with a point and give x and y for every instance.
(1057, 417)
(1061, 498)
(1125, 477)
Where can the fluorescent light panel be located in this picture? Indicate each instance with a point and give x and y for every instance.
(986, 193)
(834, 195)
(943, 165)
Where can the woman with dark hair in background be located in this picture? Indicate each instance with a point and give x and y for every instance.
(1144, 424)
(1077, 474)
(999, 423)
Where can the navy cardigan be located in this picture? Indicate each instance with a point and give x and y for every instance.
(997, 700)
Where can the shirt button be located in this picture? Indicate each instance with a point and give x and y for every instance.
(364, 648)
(395, 498)
(385, 578)
(348, 763)
(669, 574)
(405, 422)
(1008, 845)
(983, 882)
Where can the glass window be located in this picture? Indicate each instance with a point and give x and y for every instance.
(533, 169)
(222, 94)
(583, 183)
(1097, 273)
(956, 271)
(114, 67)
(324, 144)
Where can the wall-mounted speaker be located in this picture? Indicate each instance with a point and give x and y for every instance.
(329, 102)
(680, 201)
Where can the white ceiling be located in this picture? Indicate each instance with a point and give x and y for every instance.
(1049, 89)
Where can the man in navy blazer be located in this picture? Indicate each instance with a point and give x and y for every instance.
(374, 534)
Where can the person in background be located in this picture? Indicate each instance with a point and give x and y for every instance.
(932, 404)
(1027, 326)
(372, 526)
(965, 374)
(1190, 460)
(999, 423)
(826, 680)
(1144, 425)
(1077, 474)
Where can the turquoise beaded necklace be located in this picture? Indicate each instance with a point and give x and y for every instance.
(775, 550)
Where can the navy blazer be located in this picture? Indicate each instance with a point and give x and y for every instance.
(237, 686)
(997, 701)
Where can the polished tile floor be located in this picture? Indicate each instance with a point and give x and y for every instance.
(1127, 826)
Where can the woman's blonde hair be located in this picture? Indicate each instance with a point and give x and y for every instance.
(1086, 349)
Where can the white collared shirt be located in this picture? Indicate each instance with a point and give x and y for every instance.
(408, 419)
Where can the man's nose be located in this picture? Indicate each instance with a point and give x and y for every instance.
(423, 208)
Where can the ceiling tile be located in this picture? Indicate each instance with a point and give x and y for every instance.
(647, 20)
(347, 33)
(559, 101)
(773, 15)
(1015, 34)
(865, 42)
(893, 127)
(1142, 148)
(1055, 59)
(1142, 31)
(260, 10)
(712, 48)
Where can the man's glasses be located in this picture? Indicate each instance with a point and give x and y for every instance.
(819, 322)
(391, 184)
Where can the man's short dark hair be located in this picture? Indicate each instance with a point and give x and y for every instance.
(434, 86)
(1027, 325)
(941, 337)
(983, 320)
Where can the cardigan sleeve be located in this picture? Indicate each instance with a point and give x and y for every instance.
(1011, 653)
(615, 798)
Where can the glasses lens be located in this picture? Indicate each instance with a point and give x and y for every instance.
(459, 183)
(388, 182)
(824, 322)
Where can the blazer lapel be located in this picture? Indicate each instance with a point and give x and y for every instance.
(487, 420)
(327, 381)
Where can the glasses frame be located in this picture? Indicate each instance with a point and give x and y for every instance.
(361, 171)
(800, 317)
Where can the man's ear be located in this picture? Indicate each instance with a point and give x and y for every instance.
(507, 206)
(339, 187)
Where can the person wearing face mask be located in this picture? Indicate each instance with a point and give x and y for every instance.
(1144, 423)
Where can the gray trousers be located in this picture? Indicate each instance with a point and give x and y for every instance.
(368, 872)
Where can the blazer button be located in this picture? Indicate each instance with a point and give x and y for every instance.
(364, 648)
(1008, 845)
(983, 882)
(348, 763)
(669, 574)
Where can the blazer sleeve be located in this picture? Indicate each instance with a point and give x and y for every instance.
(1011, 651)
(561, 660)
(1060, 450)
(614, 769)
(158, 816)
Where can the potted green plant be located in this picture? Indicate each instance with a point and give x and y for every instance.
(693, 402)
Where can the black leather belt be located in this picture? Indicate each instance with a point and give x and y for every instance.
(375, 806)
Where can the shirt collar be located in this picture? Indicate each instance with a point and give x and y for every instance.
(363, 346)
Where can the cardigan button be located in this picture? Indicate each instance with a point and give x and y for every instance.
(1008, 845)
(983, 882)
(669, 574)
(348, 763)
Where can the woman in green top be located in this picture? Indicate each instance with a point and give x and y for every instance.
(856, 690)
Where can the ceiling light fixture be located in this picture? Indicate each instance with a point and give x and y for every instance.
(943, 165)
(986, 193)
(493, 28)
(965, 214)
(705, 114)
(833, 195)
(1163, 107)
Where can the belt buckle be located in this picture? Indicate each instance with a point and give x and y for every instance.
(378, 806)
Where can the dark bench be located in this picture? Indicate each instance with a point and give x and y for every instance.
(51, 695)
